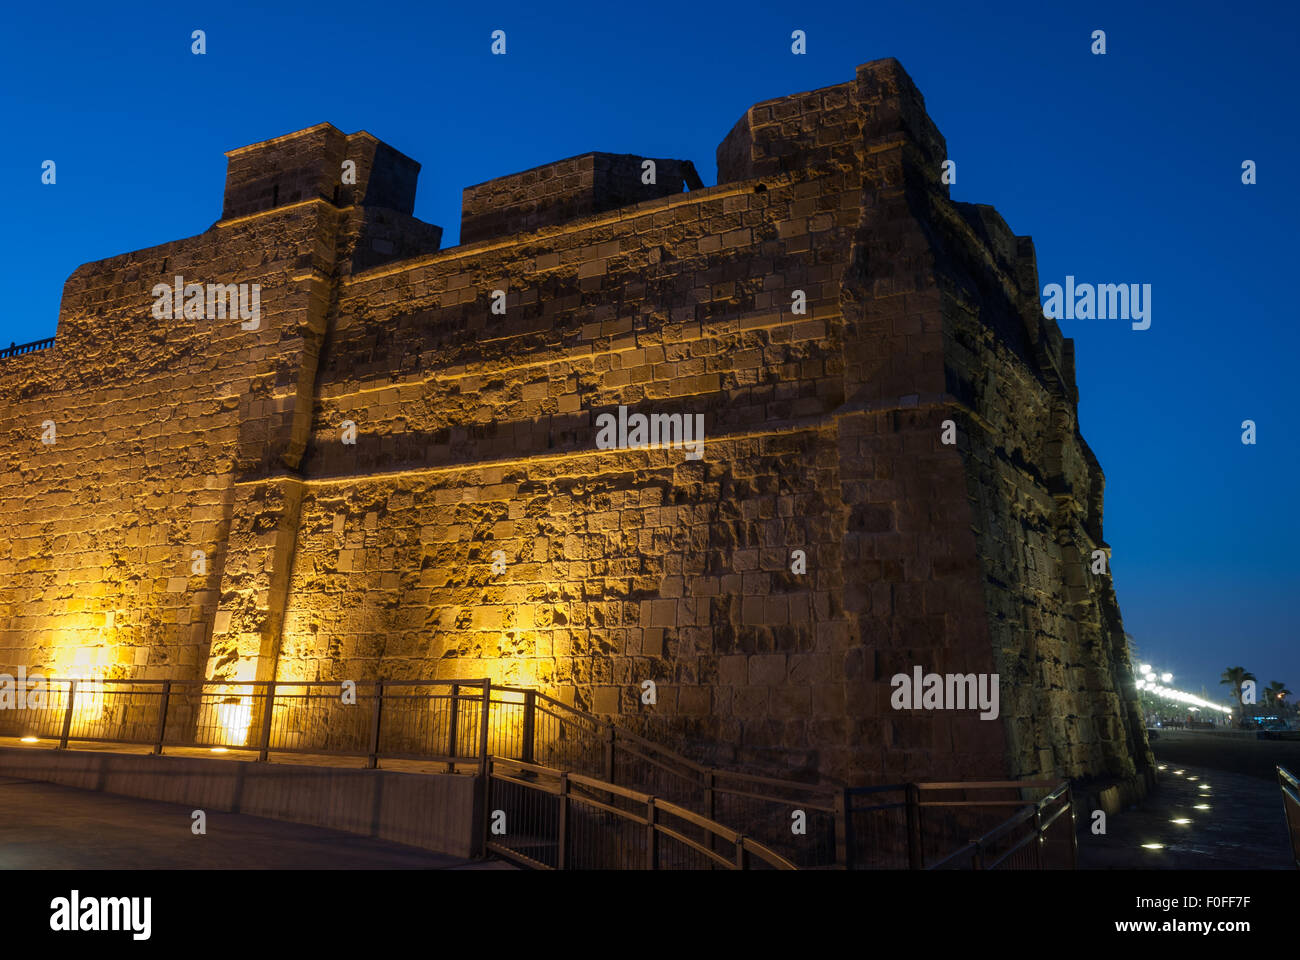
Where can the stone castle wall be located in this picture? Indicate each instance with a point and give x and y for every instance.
(475, 433)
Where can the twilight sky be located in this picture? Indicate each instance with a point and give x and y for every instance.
(1124, 168)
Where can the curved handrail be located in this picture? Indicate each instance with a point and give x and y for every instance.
(560, 784)
(1290, 785)
(1032, 811)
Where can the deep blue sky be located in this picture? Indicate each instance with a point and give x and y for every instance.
(1124, 168)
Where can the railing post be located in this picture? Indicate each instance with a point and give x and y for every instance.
(710, 805)
(652, 836)
(372, 756)
(485, 821)
(530, 712)
(162, 718)
(562, 840)
(453, 727)
(915, 850)
(609, 753)
(742, 855)
(1074, 837)
(1039, 839)
(483, 731)
(977, 858)
(843, 842)
(67, 715)
(268, 705)
(484, 766)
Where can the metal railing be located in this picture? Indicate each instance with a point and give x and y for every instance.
(1291, 806)
(1039, 836)
(467, 723)
(14, 349)
(550, 819)
(925, 826)
(425, 720)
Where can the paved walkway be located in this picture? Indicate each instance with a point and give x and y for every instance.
(1232, 822)
(45, 826)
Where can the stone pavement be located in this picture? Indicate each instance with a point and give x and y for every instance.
(44, 826)
(1196, 819)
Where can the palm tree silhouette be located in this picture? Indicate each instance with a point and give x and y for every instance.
(1276, 692)
(1237, 676)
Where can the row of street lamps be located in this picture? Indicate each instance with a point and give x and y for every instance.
(1152, 684)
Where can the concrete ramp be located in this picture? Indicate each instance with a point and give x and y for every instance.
(432, 812)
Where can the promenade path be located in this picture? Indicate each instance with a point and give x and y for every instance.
(1198, 818)
(45, 826)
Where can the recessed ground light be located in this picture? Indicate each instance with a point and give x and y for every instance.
(220, 750)
(1201, 806)
(1193, 778)
(1203, 786)
(1179, 772)
(30, 740)
(1161, 767)
(1181, 820)
(1153, 846)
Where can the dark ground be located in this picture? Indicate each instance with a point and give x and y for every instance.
(46, 826)
(1231, 752)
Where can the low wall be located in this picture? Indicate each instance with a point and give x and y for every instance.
(431, 811)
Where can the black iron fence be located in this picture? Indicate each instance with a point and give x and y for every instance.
(15, 349)
(1039, 836)
(927, 826)
(426, 720)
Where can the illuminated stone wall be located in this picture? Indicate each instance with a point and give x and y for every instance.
(475, 433)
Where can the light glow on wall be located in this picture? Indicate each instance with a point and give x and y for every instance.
(226, 714)
(235, 716)
(89, 705)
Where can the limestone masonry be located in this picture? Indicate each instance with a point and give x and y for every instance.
(475, 433)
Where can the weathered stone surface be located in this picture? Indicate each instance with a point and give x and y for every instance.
(476, 433)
